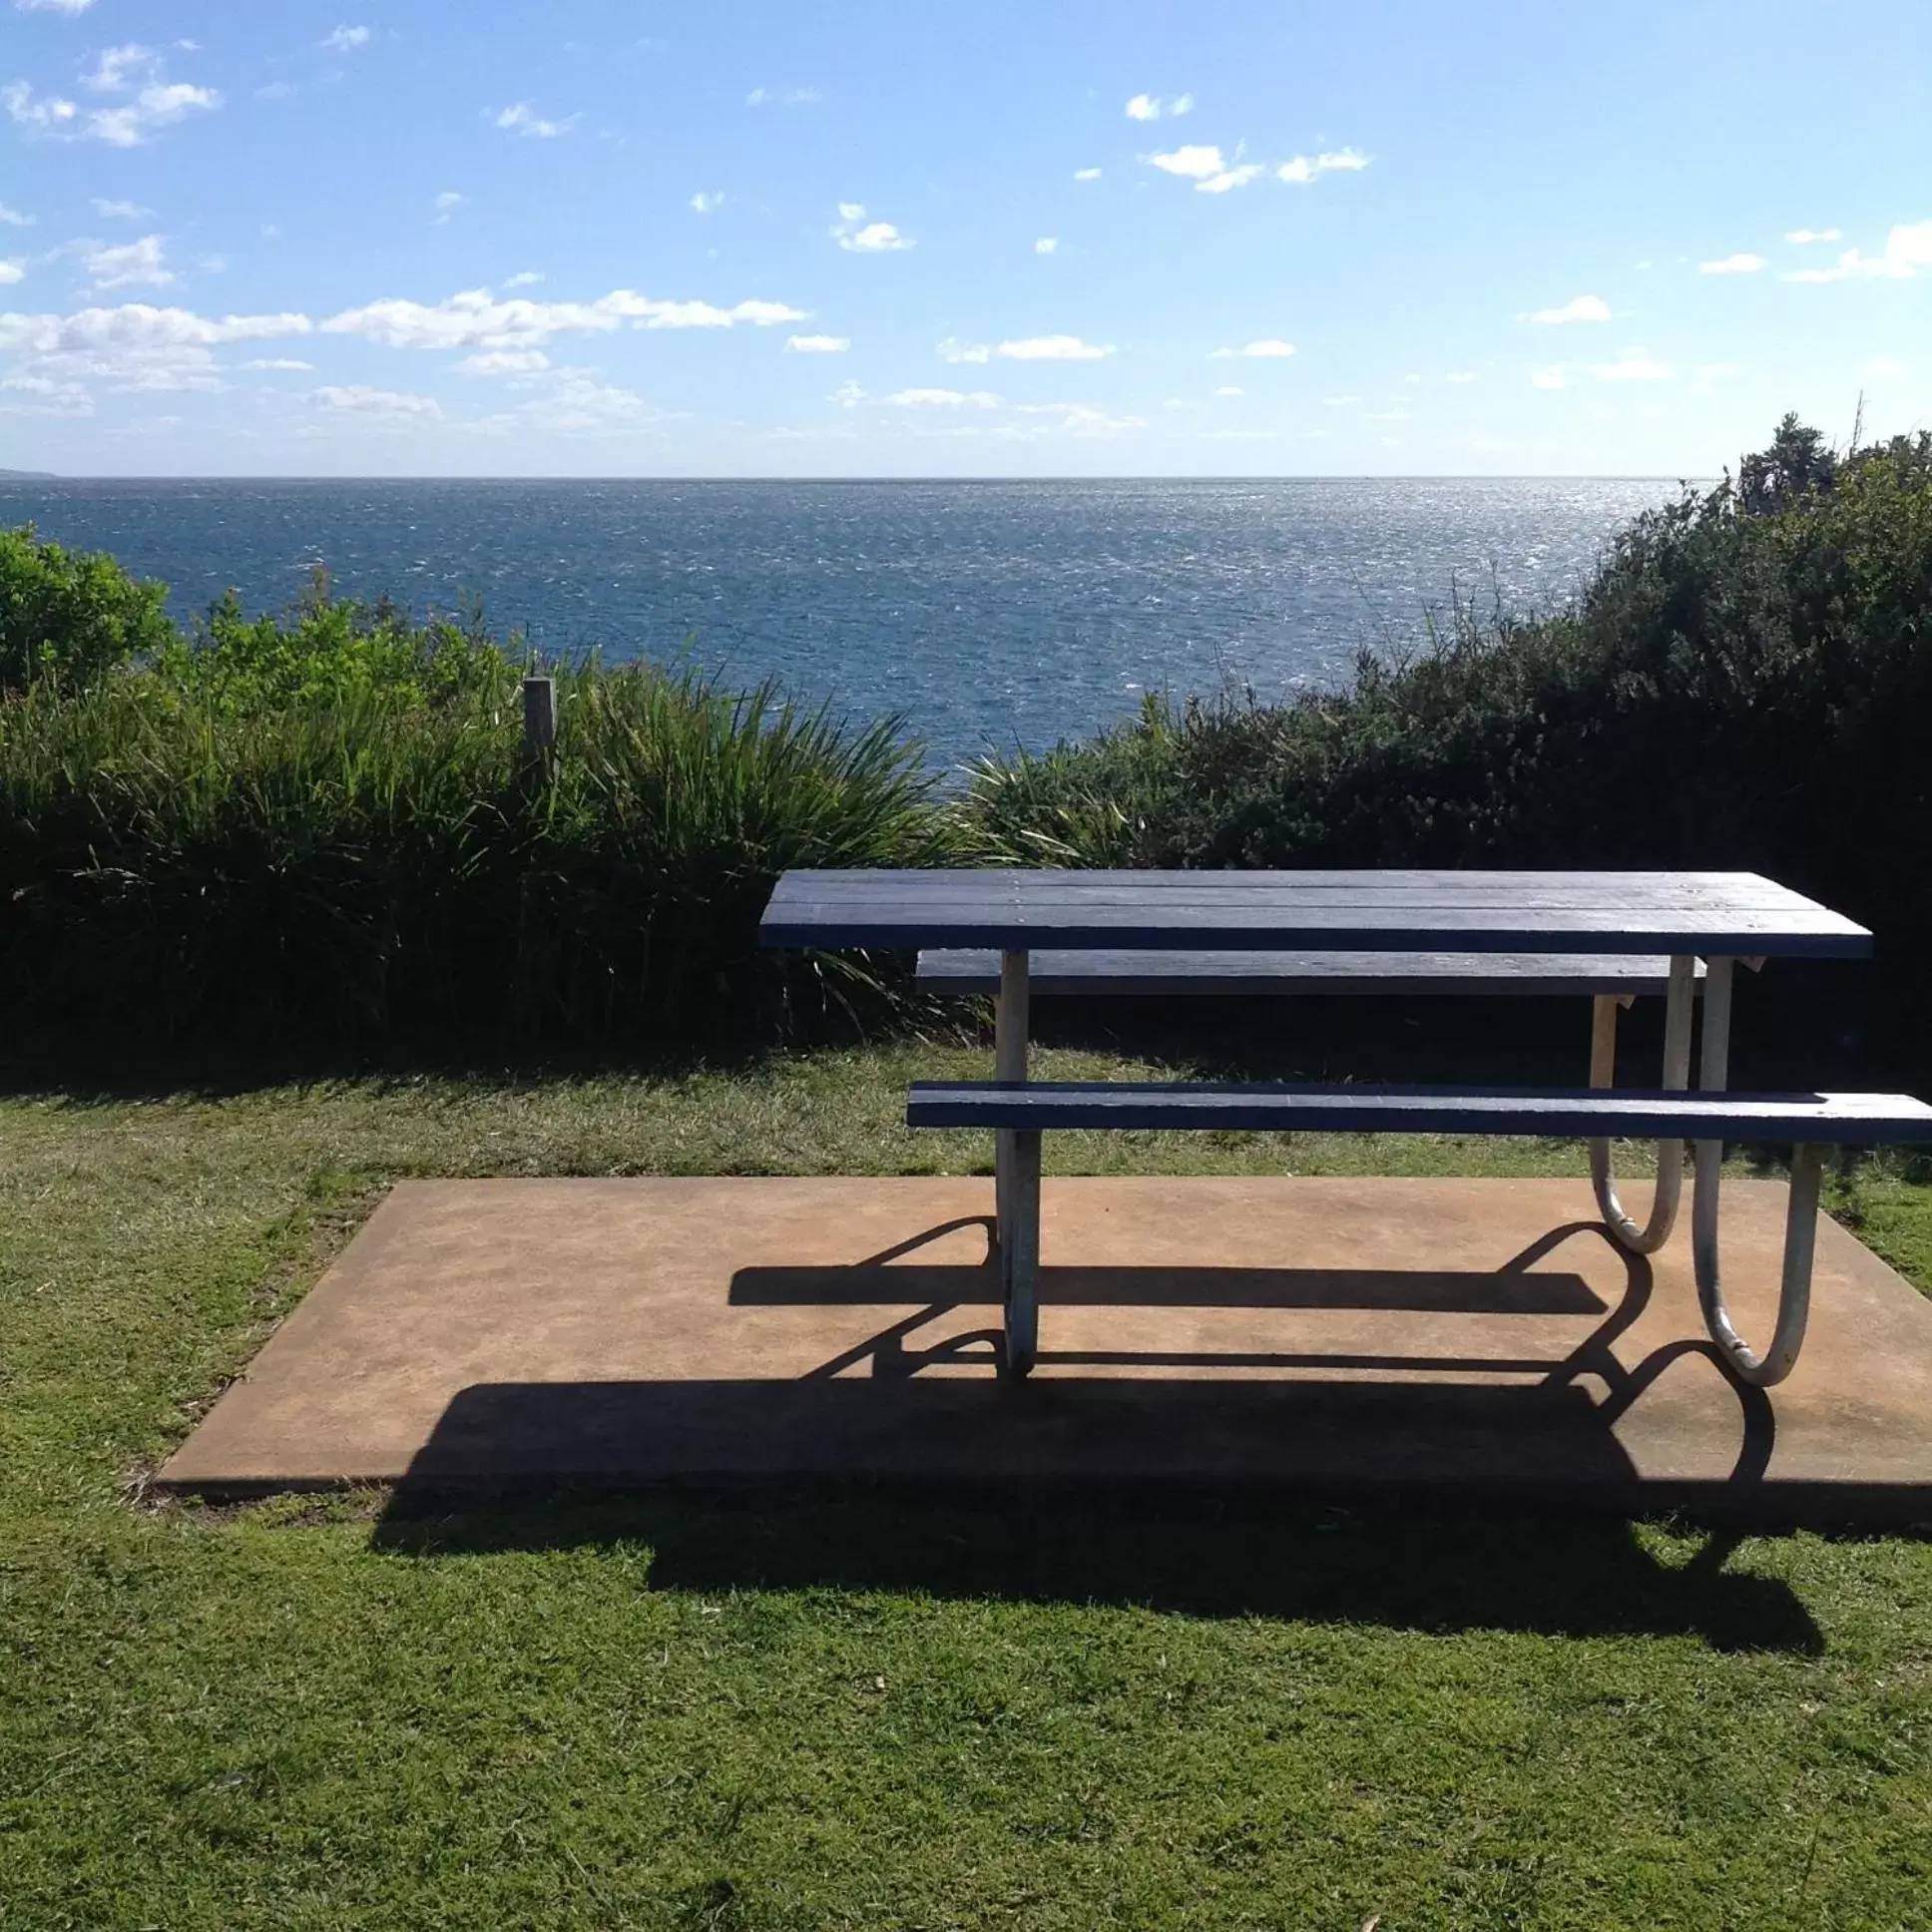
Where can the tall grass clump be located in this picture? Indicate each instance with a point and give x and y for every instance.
(327, 827)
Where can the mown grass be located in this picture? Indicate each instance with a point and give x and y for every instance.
(848, 1709)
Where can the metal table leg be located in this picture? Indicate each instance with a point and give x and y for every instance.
(1801, 1220)
(1016, 1177)
(1652, 1234)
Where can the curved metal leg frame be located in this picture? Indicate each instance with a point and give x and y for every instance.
(1794, 1290)
(1647, 1237)
(1016, 1179)
(1800, 1219)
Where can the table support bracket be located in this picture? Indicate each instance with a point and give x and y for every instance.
(1647, 1237)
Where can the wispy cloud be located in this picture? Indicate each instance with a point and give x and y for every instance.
(135, 346)
(270, 364)
(130, 265)
(706, 201)
(153, 102)
(478, 319)
(796, 97)
(817, 344)
(1805, 237)
(1883, 368)
(1579, 308)
(377, 405)
(1269, 348)
(12, 270)
(521, 118)
(120, 211)
(942, 399)
(1733, 264)
(13, 217)
(1631, 365)
(523, 278)
(344, 40)
(856, 233)
(1025, 348)
(1047, 245)
(1907, 254)
(1304, 169)
(1238, 176)
(69, 7)
(446, 204)
(1150, 107)
(1087, 174)
(504, 362)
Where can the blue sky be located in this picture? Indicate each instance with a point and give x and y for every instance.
(592, 238)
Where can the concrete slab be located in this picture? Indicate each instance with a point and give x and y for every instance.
(1326, 1335)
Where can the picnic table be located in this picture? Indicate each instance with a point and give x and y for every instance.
(1717, 918)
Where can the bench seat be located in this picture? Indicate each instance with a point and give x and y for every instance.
(1862, 1120)
(1139, 971)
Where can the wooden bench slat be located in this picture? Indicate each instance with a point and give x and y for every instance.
(1861, 1119)
(1144, 971)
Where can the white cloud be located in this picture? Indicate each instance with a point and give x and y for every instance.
(476, 318)
(132, 264)
(1631, 365)
(1733, 264)
(49, 398)
(952, 349)
(1268, 347)
(1236, 177)
(1304, 169)
(12, 270)
(817, 344)
(1227, 390)
(943, 399)
(272, 363)
(1087, 174)
(521, 118)
(504, 362)
(136, 346)
(69, 7)
(1338, 402)
(381, 405)
(1076, 419)
(797, 97)
(1047, 245)
(866, 237)
(705, 202)
(448, 200)
(1883, 368)
(1460, 375)
(524, 278)
(1580, 309)
(13, 217)
(578, 401)
(1051, 348)
(848, 394)
(1805, 237)
(344, 40)
(1196, 162)
(120, 211)
(1908, 256)
(39, 113)
(132, 70)
(1717, 371)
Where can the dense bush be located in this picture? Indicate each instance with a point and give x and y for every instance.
(70, 615)
(1747, 683)
(328, 825)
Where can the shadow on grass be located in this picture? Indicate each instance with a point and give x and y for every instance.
(1200, 1555)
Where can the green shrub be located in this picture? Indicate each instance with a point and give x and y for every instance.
(377, 864)
(70, 613)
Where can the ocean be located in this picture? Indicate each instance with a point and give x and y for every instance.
(988, 615)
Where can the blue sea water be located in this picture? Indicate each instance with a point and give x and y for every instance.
(988, 614)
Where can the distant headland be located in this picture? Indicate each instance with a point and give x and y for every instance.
(27, 476)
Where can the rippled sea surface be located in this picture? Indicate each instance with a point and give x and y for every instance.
(987, 614)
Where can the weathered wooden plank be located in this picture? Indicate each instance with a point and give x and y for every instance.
(1861, 1119)
(1194, 971)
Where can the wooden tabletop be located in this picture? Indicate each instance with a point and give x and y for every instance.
(1735, 914)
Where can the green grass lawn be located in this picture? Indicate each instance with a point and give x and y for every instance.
(853, 1709)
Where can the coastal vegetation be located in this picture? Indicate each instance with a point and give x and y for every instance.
(324, 823)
